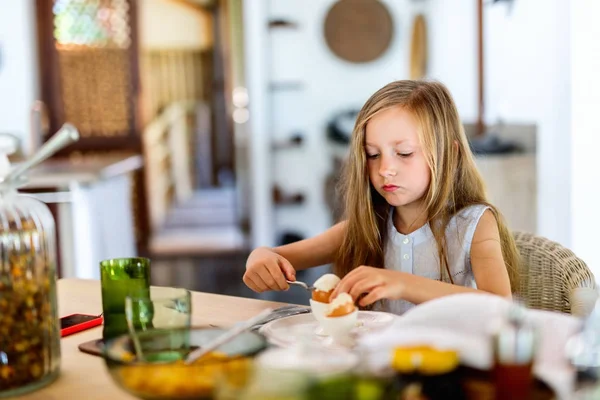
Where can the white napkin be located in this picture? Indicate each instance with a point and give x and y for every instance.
(466, 322)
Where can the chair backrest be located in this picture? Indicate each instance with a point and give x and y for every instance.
(549, 273)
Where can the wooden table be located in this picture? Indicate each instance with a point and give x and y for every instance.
(84, 376)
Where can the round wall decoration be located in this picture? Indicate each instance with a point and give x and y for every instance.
(358, 30)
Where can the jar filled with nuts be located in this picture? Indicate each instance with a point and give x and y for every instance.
(29, 328)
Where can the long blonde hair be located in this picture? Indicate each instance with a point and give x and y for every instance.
(455, 180)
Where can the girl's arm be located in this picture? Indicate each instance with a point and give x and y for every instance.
(268, 269)
(315, 251)
(487, 263)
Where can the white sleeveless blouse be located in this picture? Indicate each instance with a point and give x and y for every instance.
(416, 253)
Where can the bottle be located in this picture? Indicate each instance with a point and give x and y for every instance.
(515, 346)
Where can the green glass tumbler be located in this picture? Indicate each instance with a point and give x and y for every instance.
(121, 277)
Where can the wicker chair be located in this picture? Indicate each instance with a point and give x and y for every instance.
(549, 273)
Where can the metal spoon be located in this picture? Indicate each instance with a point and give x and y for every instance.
(227, 336)
(132, 334)
(302, 285)
(281, 312)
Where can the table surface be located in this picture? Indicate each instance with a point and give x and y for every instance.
(85, 376)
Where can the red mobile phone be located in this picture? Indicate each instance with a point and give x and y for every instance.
(78, 322)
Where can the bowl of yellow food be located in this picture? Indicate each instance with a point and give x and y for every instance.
(161, 373)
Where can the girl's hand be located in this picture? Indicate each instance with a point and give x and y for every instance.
(376, 283)
(267, 270)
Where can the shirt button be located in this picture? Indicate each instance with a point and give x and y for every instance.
(406, 256)
(406, 240)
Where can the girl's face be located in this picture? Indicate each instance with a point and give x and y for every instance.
(397, 166)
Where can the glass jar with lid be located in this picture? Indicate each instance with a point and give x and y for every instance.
(29, 325)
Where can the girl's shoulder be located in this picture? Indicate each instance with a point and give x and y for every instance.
(472, 212)
(466, 220)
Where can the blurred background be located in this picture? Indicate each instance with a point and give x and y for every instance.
(210, 127)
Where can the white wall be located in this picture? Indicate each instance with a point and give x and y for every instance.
(18, 66)
(585, 127)
(528, 80)
(527, 75)
(452, 39)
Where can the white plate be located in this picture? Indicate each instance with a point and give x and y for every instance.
(289, 331)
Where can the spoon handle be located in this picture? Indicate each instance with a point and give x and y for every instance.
(227, 336)
(65, 136)
(301, 284)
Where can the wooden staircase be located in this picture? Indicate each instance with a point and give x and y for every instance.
(186, 219)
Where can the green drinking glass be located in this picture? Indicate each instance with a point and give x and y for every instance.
(120, 278)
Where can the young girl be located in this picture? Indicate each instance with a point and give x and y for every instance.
(417, 221)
